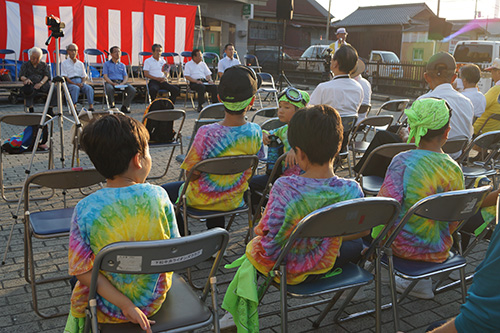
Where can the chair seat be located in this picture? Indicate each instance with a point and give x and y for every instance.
(267, 90)
(351, 275)
(412, 268)
(181, 307)
(360, 146)
(51, 222)
(164, 144)
(205, 214)
(371, 184)
(476, 171)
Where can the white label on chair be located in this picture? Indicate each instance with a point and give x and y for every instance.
(170, 261)
(469, 207)
(129, 263)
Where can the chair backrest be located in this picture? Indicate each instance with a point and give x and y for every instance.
(65, 178)
(348, 123)
(7, 51)
(44, 51)
(251, 60)
(271, 124)
(344, 218)
(449, 206)
(143, 54)
(388, 150)
(455, 145)
(494, 116)
(212, 56)
(159, 256)
(370, 122)
(214, 111)
(227, 165)
(395, 106)
(271, 112)
(486, 141)
(165, 115)
(364, 108)
(186, 56)
(93, 52)
(267, 79)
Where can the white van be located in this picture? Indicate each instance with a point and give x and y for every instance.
(385, 64)
(481, 53)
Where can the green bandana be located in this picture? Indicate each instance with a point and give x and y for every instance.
(305, 98)
(237, 106)
(426, 114)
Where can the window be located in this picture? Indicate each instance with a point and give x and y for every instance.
(418, 54)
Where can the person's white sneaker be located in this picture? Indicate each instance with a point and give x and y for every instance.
(423, 288)
(226, 321)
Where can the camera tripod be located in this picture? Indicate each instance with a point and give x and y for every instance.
(57, 84)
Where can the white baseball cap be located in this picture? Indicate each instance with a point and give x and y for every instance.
(341, 31)
(494, 65)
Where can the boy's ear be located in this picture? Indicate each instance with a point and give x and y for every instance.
(136, 161)
(251, 103)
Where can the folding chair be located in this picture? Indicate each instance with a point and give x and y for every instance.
(52, 223)
(271, 112)
(494, 116)
(371, 184)
(455, 145)
(222, 166)
(182, 309)
(23, 120)
(167, 115)
(439, 207)
(177, 65)
(3, 64)
(271, 124)
(368, 124)
(348, 123)
(252, 61)
(363, 112)
(396, 106)
(212, 60)
(143, 54)
(101, 59)
(337, 220)
(268, 87)
(129, 66)
(487, 166)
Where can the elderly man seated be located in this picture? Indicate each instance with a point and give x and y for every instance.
(115, 75)
(35, 77)
(74, 72)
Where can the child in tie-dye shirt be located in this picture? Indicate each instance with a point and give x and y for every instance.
(294, 197)
(126, 210)
(232, 136)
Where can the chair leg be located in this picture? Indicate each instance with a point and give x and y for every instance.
(213, 287)
(378, 292)
(394, 298)
(283, 306)
(462, 284)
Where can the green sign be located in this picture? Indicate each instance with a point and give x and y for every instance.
(247, 11)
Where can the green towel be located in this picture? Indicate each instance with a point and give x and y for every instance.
(241, 298)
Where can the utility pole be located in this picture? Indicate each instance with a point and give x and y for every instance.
(328, 22)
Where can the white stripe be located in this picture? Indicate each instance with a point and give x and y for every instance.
(180, 34)
(90, 30)
(114, 37)
(41, 32)
(13, 28)
(137, 36)
(66, 15)
(159, 28)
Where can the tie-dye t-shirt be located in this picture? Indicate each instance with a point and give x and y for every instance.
(414, 175)
(291, 199)
(135, 213)
(221, 192)
(282, 133)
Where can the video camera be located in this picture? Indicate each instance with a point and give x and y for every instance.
(55, 25)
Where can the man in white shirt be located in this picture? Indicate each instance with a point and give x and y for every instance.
(470, 75)
(341, 35)
(342, 93)
(73, 71)
(153, 69)
(229, 60)
(200, 78)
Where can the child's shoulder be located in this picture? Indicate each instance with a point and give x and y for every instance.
(109, 195)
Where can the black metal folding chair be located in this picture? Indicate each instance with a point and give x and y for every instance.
(183, 310)
(267, 113)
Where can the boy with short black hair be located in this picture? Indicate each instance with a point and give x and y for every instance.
(470, 75)
(127, 209)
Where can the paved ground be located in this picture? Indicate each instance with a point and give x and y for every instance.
(16, 310)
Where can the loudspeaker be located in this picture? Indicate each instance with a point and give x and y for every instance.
(438, 28)
(284, 9)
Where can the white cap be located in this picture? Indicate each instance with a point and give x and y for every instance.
(494, 65)
(341, 31)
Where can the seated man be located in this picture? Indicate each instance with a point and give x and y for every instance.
(115, 74)
(470, 75)
(232, 136)
(153, 70)
(416, 174)
(200, 78)
(229, 60)
(35, 77)
(342, 93)
(73, 70)
(492, 105)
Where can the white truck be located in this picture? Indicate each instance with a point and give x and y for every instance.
(481, 53)
(384, 64)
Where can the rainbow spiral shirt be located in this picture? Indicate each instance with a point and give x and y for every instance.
(414, 175)
(221, 192)
(135, 213)
(291, 199)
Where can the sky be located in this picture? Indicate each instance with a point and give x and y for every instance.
(449, 9)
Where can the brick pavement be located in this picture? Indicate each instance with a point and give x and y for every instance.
(16, 311)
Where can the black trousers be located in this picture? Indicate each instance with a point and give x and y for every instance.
(155, 86)
(201, 89)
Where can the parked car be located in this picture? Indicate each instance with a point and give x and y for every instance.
(269, 60)
(384, 64)
(314, 55)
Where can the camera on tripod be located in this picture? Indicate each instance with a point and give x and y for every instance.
(55, 25)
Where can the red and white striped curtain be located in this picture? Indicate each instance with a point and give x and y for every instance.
(134, 25)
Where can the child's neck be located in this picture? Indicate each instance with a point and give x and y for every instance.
(120, 181)
(433, 145)
(233, 120)
(468, 85)
(318, 171)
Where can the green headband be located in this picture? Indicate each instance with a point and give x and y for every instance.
(426, 114)
(237, 106)
(305, 98)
